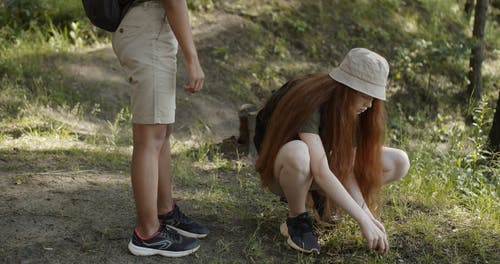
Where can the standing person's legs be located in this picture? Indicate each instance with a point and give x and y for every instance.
(165, 200)
(148, 142)
(395, 163)
(151, 238)
(146, 48)
(168, 212)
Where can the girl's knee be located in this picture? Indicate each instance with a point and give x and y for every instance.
(396, 164)
(402, 163)
(153, 139)
(296, 156)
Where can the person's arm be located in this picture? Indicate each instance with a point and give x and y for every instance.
(178, 18)
(328, 182)
(352, 187)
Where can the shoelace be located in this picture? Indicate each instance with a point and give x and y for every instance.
(169, 233)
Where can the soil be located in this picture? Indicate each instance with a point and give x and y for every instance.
(87, 216)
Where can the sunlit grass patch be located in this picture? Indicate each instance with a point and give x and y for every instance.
(58, 118)
(72, 158)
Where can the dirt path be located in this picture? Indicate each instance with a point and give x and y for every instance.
(86, 218)
(57, 214)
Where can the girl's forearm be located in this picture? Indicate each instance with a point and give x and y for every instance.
(355, 192)
(178, 18)
(328, 182)
(336, 191)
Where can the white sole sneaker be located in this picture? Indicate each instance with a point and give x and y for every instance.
(142, 251)
(289, 241)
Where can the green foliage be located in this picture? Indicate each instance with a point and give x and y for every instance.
(11, 101)
(201, 5)
(23, 13)
(221, 52)
(453, 158)
(26, 14)
(55, 21)
(445, 210)
(423, 57)
(116, 134)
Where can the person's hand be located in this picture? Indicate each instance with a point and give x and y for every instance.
(374, 220)
(374, 233)
(378, 224)
(196, 76)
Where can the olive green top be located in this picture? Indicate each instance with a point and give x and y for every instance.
(312, 123)
(312, 126)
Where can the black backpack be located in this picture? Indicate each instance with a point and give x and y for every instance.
(265, 113)
(106, 14)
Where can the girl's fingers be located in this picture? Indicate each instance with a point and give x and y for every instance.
(202, 81)
(198, 85)
(194, 86)
(386, 244)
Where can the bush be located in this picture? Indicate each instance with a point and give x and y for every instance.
(26, 14)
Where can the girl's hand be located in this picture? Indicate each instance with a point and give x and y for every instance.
(374, 233)
(378, 224)
(196, 76)
(374, 220)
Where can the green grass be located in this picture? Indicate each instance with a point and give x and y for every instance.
(429, 215)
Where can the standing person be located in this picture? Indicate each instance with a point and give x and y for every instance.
(146, 45)
(324, 136)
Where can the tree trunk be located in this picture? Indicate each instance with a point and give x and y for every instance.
(247, 115)
(494, 136)
(475, 87)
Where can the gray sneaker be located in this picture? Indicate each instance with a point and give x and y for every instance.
(299, 232)
(183, 224)
(167, 243)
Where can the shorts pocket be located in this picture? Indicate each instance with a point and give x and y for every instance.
(129, 31)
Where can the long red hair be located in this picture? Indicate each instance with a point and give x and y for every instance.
(340, 131)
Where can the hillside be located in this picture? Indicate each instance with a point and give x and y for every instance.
(65, 139)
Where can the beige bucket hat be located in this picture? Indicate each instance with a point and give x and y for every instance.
(364, 71)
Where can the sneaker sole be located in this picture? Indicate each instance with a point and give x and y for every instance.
(142, 251)
(186, 233)
(284, 232)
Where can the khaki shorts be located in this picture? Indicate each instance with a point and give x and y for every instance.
(146, 48)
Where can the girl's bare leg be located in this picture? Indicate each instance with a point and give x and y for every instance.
(165, 200)
(292, 169)
(148, 143)
(396, 164)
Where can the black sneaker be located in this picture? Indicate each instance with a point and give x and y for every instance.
(167, 243)
(183, 224)
(299, 232)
